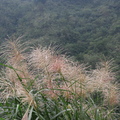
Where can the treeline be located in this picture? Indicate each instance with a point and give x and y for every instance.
(88, 30)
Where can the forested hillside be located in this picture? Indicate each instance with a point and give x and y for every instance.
(88, 30)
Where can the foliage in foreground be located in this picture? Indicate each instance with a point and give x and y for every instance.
(41, 85)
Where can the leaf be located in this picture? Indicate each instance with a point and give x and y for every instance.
(30, 114)
(2, 119)
(60, 113)
(25, 117)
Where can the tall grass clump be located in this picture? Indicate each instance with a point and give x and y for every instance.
(42, 85)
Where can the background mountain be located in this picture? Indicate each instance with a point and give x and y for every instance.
(88, 30)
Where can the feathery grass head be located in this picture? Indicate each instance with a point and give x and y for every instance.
(40, 58)
(56, 65)
(26, 96)
(111, 95)
(16, 72)
(103, 79)
(13, 50)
